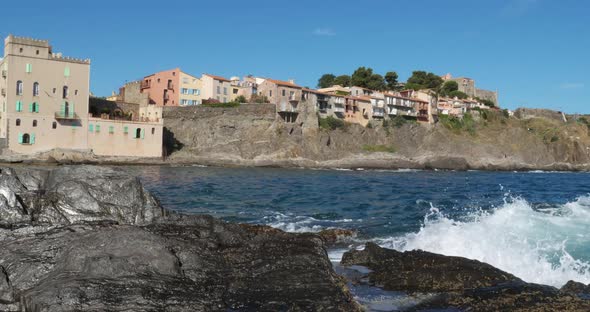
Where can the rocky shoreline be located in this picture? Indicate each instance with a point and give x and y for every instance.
(377, 161)
(92, 238)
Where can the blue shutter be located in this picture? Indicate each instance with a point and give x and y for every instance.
(20, 138)
(32, 140)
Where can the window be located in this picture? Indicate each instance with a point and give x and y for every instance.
(20, 50)
(218, 89)
(184, 91)
(169, 84)
(35, 88)
(54, 125)
(29, 68)
(125, 130)
(270, 93)
(67, 71)
(54, 90)
(19, 106)
(111, 129)
(283, 92)
(17, 122)
(33, 107)
(34, 123)
(224, 91)
(19, 88)
(235, 91)
(153, 130)
(224, 100)
(76, 92)
(196, 91)
(97, 128)
(24, 138)
(37, 52)
(158, 80)
(65, 92)
(90, 128)
(138, 133)
(173, 73)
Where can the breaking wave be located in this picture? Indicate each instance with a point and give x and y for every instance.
(547, 245)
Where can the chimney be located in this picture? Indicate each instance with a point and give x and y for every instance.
(292, 81)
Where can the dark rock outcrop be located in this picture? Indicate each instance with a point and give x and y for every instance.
(87, 238)
(460, 283)
(424, 271)
(68, 195)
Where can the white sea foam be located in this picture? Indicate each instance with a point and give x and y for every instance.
(535, 245)
(302, 224)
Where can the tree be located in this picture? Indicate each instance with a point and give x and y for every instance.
(458, 94)
(391, 80)
(423, 80)
(376, 82)
(343, 80)
(449, 87)
(241, 99)
(326, 81)
(361, 77)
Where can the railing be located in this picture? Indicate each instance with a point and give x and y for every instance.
(285, 109)
(338, 109)
(64, 115)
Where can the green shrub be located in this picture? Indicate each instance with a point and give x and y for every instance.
(241, 99)
(378, 149)
(458, 124)
(331, 123)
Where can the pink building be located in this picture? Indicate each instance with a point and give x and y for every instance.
(162, 87)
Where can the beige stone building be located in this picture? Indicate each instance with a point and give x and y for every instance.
(216, 88)
(45, 106)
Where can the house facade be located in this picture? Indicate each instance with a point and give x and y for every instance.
(286, 95)
(45, 105)
(216, 88)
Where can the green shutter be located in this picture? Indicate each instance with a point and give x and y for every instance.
(30, 107)
(111, 129)
(18, 109)
(62, 110)
(143, 133)
(20, 138)
(29, 68)
(32, 141)
(71, 110)
(97, 128)
(90, 128)
(67, 71)
(125, 129)
(36, 107)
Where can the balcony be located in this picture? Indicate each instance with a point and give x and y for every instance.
(293, 98)
(339, 109)
(287, 109)
(145, 85)
(66, 115)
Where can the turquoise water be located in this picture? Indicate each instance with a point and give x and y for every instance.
(535, 225)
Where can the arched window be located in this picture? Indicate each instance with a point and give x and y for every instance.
(34, 107)
(18, 122)
(19, 88)
(65, 92)
(35, 89)
(54, 125)
(138, 133)
(26, 138)
(35, 123)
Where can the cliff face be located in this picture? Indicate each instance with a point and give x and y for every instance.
(254, 135)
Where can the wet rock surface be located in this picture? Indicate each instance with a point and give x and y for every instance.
(459, 283)
(87, 238)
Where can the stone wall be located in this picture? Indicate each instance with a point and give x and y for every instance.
(265, 111)
(98, 106)
(528, 113)
(487, 95)
(131, 93)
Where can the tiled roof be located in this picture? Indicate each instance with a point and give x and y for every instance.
(284, 83)
(218, 77)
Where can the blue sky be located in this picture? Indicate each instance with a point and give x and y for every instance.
(534, 52)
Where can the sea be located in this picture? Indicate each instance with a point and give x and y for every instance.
(535, 225)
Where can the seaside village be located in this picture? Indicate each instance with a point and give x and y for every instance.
(46, 103)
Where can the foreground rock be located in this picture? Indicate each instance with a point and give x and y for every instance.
(67, 195)
(86, 238)
(461, 283)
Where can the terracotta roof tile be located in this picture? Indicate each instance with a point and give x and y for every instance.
(218, 77)
(284, 83)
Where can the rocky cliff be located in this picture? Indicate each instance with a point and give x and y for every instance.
(254, 135)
